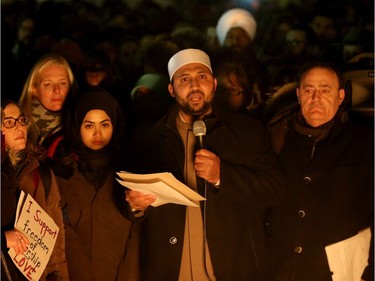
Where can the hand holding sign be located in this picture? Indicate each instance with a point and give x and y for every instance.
(16, 240)
(41, 232)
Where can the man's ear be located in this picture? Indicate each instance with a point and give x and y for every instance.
(170, 89)
(297, 93)
(341, 96)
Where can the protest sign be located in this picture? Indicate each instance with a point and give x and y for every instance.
(40, 230)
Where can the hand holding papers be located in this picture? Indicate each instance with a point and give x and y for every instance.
(164, 186)
(41, 232)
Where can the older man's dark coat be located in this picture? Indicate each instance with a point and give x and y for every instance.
(328, 197)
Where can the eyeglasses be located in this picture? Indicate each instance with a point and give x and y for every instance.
(10, 122)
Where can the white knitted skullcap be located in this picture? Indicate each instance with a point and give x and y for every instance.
(185, 57)
(235, 18)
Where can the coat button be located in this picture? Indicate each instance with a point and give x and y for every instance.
(301, 213)
(298, 249)
(173, 240)
(307, 180)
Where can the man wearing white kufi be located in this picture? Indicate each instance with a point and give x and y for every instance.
(185, 57)
(222, 237)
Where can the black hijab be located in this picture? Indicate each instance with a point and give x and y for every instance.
(95, 164)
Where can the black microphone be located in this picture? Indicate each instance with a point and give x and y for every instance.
(199, 130)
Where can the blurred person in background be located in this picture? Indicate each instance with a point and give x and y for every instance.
(18, 55)
(238, 90)
(235, 31)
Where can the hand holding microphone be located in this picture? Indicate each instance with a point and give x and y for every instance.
(206, 163)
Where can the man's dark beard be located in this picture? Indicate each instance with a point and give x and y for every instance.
(185, 107)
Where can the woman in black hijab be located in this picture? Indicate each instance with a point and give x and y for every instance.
(95, 162)
(98, 245)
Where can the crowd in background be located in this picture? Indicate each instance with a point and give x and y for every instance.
(115, 44)
(83, 85)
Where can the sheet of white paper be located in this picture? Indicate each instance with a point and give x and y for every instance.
(348, 258)
(164, 193)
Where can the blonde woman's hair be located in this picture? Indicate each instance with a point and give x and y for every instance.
(27, 96)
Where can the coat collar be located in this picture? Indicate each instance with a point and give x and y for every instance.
(168, 121)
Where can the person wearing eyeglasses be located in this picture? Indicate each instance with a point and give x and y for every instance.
(15, 128)
(327, 158)
(10, 237)
(34, 178)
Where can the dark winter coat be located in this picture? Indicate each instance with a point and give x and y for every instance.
(40, 182)
(250, 182)
(101, 244)
(9, 197)
(328, 198)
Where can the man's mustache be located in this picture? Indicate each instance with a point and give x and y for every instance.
(195, 92)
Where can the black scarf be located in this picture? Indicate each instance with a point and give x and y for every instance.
(316, 133)
(292, 118)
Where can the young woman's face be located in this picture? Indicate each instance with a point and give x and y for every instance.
(15, 137)
(53, 87)
(96, 129)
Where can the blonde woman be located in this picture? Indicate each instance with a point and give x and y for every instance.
(50, 83)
